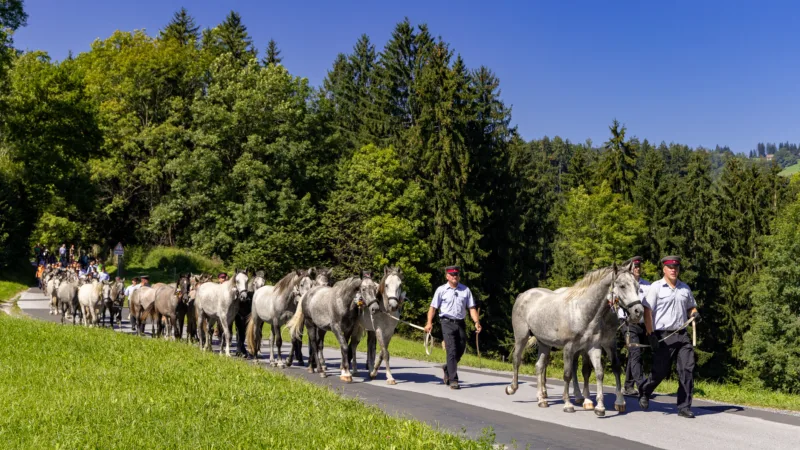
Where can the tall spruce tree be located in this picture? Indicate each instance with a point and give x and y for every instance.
(231, 36)
(273, 54)
(618, 166)
(181, 28)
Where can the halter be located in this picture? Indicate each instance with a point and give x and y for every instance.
(615, 302)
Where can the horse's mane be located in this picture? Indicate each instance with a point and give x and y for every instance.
(392, 271)
(286, 283)
(346, 287)
(588, 281)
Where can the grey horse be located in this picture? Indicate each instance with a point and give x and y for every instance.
(322, 277)
(113, 298)
(330, 309)
(66, 287)
(216, 302)
(275, 305)
(379, 318)
(165, 308)
(579, 320)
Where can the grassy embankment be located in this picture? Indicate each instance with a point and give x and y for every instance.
(13, 281)
(791, 170)
(74, 387)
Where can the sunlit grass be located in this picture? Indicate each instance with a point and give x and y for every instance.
(75, 387)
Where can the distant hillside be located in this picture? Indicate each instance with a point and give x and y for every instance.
(791, 170)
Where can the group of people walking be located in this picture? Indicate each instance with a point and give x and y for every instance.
(668, 305)
(86, 267)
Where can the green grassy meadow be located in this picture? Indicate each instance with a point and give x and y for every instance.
(75, 387)
(791, 170)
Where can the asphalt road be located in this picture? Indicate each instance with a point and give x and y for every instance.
(482, 403)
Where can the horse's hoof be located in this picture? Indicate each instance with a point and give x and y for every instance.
(323, 375)
(569, 409)
(599, 412)
(281, 366)
(392, 382)
(579, 401)
(543, 404)
(588, 405)
(273, 364)
(346, 378)
(310, 369)
(372, 376)
(620, 408)
(510, 390)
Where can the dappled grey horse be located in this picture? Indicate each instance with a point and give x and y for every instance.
(275, 305)
(329, 309)
(579, 320)
(322, 277)
(216, 303)
(66, 288)
(113, 298)
(379, 318)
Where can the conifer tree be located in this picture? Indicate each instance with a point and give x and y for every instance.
(181, 28)
(273, 54)
(618, 166)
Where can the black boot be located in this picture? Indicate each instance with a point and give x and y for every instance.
(644, 402)
(686, 412)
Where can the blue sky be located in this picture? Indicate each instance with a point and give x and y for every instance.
(693, 72)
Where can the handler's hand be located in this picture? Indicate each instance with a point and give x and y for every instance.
(428, 327)
(653, 341)
(478, 327)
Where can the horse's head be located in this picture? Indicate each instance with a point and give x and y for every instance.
(118, 292)
(323, 277)
(240, 281)
(182, 288)
(108, 295)
(304, 283)
(391, 288)
(626, 292)
(369, 292)
(257, 282)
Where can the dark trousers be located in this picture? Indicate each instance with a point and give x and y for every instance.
(454, 334)
(634, 371)
(677, 346)
(240, 322)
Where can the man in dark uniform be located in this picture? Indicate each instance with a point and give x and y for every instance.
(666, 307)
(634, 334)
(453, 299)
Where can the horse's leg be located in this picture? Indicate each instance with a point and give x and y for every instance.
(279, 344)
(587, 373)
(596, 355)
(516, 359)
(345, 372)
(372, 369)
(355, 339)
(541, 365)
(180, 316)
(201, 332)
(272, 336)
(384, 341)
(312, 349)
(569, 360)
(576, 389)
(616, 367)
(321, 349)
(226, 333)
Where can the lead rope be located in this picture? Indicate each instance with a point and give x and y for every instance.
(685, 324)
(427, 342)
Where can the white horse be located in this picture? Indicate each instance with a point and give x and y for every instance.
(216, 302)
(579, 320)
(276, 305)
(90, 297)
(379, 318)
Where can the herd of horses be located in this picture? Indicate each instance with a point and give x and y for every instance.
(301, 299)
(580, 319)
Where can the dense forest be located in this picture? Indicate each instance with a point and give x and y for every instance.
(404, 156)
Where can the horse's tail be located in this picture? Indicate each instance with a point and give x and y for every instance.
(531, 342)
(295, 325)
(251, 335)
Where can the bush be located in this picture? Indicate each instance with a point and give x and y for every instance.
(180, 260)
